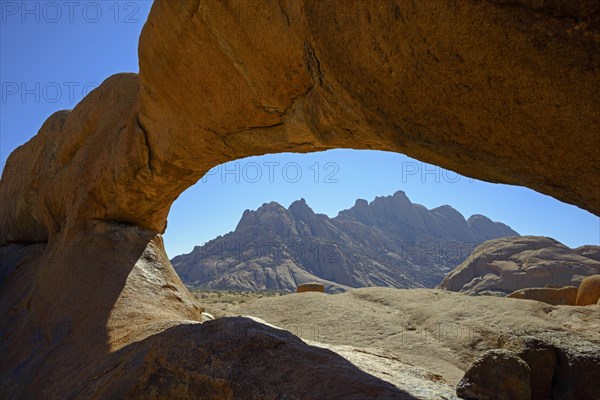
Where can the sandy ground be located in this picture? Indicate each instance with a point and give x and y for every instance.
(438, 332)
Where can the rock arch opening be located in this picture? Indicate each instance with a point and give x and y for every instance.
(347, 219)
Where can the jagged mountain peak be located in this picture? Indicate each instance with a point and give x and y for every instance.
(389, 241)
(300, 207)
(488, 229)
(271, 213)
(444, 208)
(301, 201)
(361, 203)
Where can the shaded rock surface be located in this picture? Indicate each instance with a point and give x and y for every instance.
(562, 365)
(232, 359)
(498, 374)
(505, 265)
(112, 285)
(387, 242)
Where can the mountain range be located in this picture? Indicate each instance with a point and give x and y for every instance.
(388, 242)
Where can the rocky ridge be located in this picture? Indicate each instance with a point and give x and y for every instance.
(505, 265)
(387, 242)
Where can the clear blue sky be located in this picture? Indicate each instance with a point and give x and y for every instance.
(51, 56)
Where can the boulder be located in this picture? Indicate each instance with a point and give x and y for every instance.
(496, 375)
(310, 287)
(589, 291)
(552, 285)
(222, 359)
(505, 265)
(589, 251)
(562, 366)
(556, 296)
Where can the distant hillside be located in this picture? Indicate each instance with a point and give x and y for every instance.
(387, 242)
(504, 265)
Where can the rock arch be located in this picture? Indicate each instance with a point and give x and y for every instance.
(501, 91)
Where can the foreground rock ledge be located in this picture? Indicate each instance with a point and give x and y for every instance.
(505, 92)
(498, 374)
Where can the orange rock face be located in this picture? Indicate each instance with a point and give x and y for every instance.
(555, 296)
(504, 94)
(589, 291)
(310, 287)
(497, 91)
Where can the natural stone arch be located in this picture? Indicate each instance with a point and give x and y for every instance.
(500, 91)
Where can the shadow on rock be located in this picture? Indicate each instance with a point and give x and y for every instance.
(232, 358)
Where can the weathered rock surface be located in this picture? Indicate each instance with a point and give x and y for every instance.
(559, 366)
(440, 331)
(589, 251)
(83, 298)
(387, 242)
(304, 82)
(505, 92)
(510, 264)
(417, 382)
(562, 366)
(556, 296)
(487, 88)
(232, 358)
(497, 375)
(310, 287)
(228, 358)
(589, 291)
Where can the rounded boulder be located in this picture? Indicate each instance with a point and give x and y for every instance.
(310, 287)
